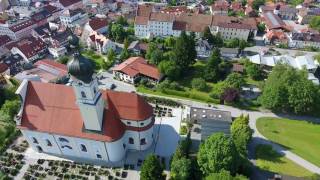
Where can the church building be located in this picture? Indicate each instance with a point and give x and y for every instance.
(82, 122)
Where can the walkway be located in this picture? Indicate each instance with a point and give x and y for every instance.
(258, 138)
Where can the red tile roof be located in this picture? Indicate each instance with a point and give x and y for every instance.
(4, 39)
(138, 65)
(22, 25)
(53, 64)
(66, 3)
(98, 23)
(51, 108)
(3, 67)
(29, 46)
(220, 5)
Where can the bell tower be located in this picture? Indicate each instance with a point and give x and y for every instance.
(88, 97)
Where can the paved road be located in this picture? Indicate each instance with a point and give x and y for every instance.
(257, 137)
(107, 79)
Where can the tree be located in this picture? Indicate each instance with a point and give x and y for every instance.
(225, 175)
(126, 43)
(111, 55)
(156, 57)
(211, 71)
(242, 44)
(169, 42)
(315, 23)
(208, 35)
(230, 95)
(181, 169)
(185, 52)
(124, 54)
(257, 3)
(295, 2)
(151, 48)
(217, 153)
(199, 84)
(151, 169)
(11, 107)
(317, 57)
(170, 69)
(217, 40)
(288, 89)
(241, 134)
(235, 80)
(261, 27)
(254, 71)
(63, 60)
(122, 21)
(118, 33)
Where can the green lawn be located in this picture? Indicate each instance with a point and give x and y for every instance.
(301, 137)
(268, 159)
(96, 58)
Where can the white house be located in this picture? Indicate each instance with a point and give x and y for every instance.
(100, 42)
(72, 18)
(81, 122)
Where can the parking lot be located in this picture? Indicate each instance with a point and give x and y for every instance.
(106, 81)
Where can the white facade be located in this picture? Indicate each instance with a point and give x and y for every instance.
(73, 20)
(87, 149)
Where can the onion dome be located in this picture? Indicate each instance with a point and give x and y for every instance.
(81, 68)
(73, 41)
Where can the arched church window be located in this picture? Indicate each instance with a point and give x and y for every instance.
(61, 139)
(131, 140)
(83, 148)
(83, 94)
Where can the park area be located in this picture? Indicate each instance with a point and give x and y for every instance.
(185, 89)
(300, 137)
(270, 160)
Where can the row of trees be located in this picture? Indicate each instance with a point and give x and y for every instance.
(221, 155)
(289, 90)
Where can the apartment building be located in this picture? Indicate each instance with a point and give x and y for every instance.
(149, 24)
(72, 18)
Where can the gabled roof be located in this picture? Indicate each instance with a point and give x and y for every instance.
(66, 3)
(138, 65)
(98, 23)
(3, 67)
(29, 46)
(4, 39)
(51, 108)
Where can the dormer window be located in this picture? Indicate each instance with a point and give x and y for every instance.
(83, 94)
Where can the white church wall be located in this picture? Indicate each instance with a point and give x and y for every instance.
(116, 150)
(42, 139)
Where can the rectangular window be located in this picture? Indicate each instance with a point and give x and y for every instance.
(99, 156)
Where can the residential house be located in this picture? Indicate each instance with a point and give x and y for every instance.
(45, 70)
(306, 14)
(229, 52)
(220, 7)
(96, 24)
(203, 48)
(303, 40)
(236, 6)
(30, 48)
(100, 43)
(72, 18)
(4, 39)
(135, 68)
(275, 37)
(273, 21)
(138, 47)
(70, 4)
(16, 30)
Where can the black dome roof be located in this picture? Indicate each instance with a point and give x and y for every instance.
(81, 68)
(73, 41)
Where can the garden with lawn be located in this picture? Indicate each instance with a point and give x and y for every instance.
(269, 160)
(300, 137)
(96, 58)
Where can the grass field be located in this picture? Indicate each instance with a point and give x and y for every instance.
(96, 58)
(300, 137)
(268, 159)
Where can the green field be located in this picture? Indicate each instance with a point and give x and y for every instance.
(269, 160)
(300, 137)
(96, 58)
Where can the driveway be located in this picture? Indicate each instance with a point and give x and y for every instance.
(258, 138)
(106, 80)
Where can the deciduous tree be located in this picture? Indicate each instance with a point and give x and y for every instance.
(151, 169)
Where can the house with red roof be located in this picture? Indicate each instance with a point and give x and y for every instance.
(136, 68)
(220, 7)
(46, 70)
(81, 122)
(29, 48)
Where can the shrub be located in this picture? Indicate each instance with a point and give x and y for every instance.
(183, 130)
(199, 84)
